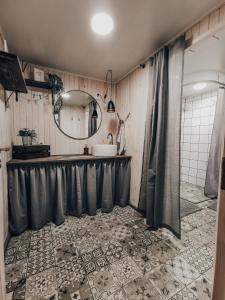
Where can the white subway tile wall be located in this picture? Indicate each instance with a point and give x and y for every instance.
(197, 123)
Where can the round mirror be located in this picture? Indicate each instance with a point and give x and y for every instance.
(77, 114)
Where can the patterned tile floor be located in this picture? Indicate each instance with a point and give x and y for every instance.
(192, 193)
(113, 257)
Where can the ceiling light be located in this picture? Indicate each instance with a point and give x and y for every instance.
(102, 24)
(65, 95)
(199, 86)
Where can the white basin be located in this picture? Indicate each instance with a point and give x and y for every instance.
(104, 150)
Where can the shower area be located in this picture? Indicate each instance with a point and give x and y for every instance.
(203, 108)
(200, 146)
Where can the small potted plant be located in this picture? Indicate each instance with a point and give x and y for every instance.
(25, 134)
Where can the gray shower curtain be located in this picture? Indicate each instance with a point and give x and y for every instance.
(160, 188)
(213, 167)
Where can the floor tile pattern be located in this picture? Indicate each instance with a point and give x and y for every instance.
(182, 270)
(113, 257)
(192, 193)
(202, 288)
(200, 258)
(187, 207)
(184, 294)
(213, 206)
(165, 282)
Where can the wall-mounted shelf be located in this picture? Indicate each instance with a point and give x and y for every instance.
(11, 77)
(38, 84)
(34, 84)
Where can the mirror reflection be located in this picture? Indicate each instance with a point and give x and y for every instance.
(77, 114)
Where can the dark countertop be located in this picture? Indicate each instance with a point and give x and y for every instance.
(63, 158)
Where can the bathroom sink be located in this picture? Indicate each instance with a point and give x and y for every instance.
(104, 150)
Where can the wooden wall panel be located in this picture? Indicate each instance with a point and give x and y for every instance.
(219, 272)
(207, 26)
(38, 114)
(5, 142)
(2, 269)
(131, 95)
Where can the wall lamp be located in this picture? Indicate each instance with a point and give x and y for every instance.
(111, 105)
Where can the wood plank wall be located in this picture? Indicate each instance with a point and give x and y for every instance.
(2, 269)
(219, 272)
(5, 143)
(38, 114)
(131, 95)
(208, 25)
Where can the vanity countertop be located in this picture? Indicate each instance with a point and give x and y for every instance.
(63, 158)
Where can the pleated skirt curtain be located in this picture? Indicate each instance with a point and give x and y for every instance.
(160, 187)
(39, 194)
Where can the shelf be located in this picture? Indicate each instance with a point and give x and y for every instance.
(38, 84)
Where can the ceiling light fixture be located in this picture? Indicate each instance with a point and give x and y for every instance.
(111, 105)
(102, 24)
(199, 86)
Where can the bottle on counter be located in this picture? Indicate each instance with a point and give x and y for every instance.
(86, 150)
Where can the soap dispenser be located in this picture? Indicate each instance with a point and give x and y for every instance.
(86, 150)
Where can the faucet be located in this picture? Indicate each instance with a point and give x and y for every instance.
(111, 138)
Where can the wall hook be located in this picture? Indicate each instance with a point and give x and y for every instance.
(142, 66)
(24, 66)
(101, 97)
(7, 99)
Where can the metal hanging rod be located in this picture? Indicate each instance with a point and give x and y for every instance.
(209, 81)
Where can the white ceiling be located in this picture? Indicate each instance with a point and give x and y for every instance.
(57, 33)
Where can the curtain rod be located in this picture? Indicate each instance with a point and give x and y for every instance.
(198, 81)
(145, 60)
